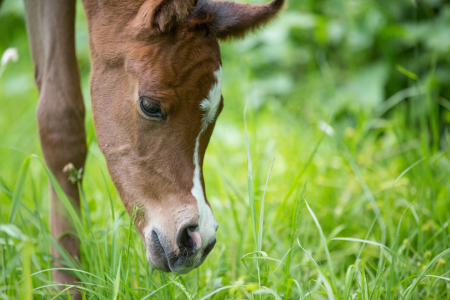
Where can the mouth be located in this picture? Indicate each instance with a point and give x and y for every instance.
(169, 261)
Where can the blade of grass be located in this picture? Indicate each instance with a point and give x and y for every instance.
(404, 261)
(65, 258)
(394, 257)
(295, 226)
(91, 292)
(115, 242)
(218, 290)
(85, 204)
(129, 232)
(251, 189)
(325, 280)
(324, 244)
(5, 188)
(109, 194)
(251, 186)
(117, 280)
(266, 290)
(410, 289)
(157, 290)
(63, 198)
(299, 175)
(439, 277)
(364, 282)
(69, 269)
(365, 187)
(362, 241)
(181, 287)
(18, 190)
(261, 213)
(300, 291)
(26, 269)
(13, 231)
(406, 72)
(385, 201)
(348, 281)
(395, 99)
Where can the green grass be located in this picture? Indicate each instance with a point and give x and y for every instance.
(358, 210)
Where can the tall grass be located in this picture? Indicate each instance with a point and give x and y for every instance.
(113, 264)
(356, 207)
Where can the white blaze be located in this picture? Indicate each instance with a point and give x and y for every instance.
(210, 105)
(207, 223)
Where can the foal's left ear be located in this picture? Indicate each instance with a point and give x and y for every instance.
(234, 19)
(163, 14)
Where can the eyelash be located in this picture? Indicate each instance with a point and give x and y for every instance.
(151, 108)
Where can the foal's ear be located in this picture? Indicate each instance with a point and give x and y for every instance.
(163, 14)
(234, 19)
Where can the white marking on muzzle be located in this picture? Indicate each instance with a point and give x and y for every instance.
(207, 223)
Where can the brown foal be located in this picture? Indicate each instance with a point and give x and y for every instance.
(156, 94)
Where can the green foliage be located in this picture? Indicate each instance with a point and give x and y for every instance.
(351, 96)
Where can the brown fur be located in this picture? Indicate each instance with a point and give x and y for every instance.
(60, 112)
(163, 14)
(229, 19)
(166, 50)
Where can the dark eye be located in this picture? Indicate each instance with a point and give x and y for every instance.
(151, 108)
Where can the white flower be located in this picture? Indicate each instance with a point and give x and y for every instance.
(326, 128)
(10, 54)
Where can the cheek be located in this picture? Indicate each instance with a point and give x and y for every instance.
(112, 108)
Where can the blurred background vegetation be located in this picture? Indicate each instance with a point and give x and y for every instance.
(377, 71)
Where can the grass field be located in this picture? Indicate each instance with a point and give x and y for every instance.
(356, 144)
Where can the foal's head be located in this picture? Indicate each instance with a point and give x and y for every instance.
(156, 94)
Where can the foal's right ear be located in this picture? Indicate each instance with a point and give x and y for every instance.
(163, 14)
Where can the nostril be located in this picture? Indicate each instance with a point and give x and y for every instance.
(195, 236)
(189, 238)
